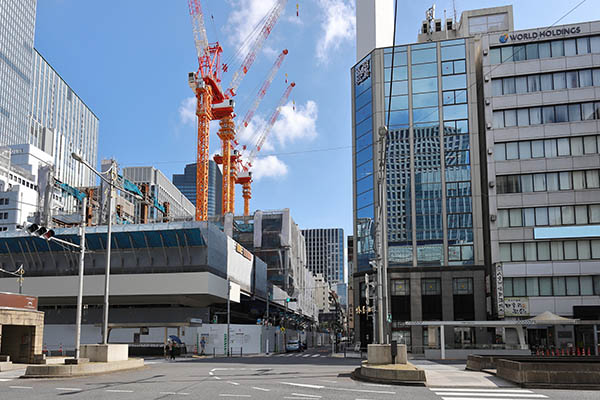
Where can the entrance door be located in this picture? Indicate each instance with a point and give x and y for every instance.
(17, 342)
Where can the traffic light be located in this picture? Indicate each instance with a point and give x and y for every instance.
(291, 300)
(39, 231)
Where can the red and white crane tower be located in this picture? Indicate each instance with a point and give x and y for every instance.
(206, 84)
(245, 176)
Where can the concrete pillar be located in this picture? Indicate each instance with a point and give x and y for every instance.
(595, 328)
(416, 313)
(481, 335)
(448, 305)
(442, 343)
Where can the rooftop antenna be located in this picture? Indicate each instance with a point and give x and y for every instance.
(430, 16)
(454, 7)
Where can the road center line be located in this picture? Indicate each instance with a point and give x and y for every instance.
(263, 389)
(361, 391)
(233, 395)
(313, 396)
(216, 377)
(303, 385)
(69, 389)
(483, 394)
(20, 387)
(233, 383)
(119, 391)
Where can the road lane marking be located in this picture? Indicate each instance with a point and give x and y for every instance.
(211, 373)
(481, 390)
(483, 394)
(6, 380)
(233, 383)
(233, 395)
(119, 391)
(363, 391)
(306, 355)
(216, 377)
(69, 389)
(326, 381)
(475, 398)
(316, 355)
(303, 385)
(20, 387)
(312, 396)
(263, 389)
(172, 393)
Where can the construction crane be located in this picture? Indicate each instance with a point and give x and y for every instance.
(226, 126)
(234, 158)
(245, 175)
(206, 84)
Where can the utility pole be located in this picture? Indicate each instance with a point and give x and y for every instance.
(228, 313)
(112, 173)
(21, 272)
(81, 271)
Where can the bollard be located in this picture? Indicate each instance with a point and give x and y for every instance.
(214, 354)
(241, 352)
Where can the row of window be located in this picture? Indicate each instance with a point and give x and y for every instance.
(546, 115)
(4, 215)
(547, 148)
(545, 82)
(431, 286)
(551, 251)
(549, 216)
(552, 286)
(553, 48)
(4, 202)
(548, 181)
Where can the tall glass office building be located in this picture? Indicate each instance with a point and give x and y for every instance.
(186, 183)
(17, 29)
(426, 94)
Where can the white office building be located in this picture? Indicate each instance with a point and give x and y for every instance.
(325, 253)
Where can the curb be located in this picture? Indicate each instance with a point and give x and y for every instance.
(356, 375)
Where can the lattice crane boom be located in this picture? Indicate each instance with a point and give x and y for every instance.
(256, 46)
(262, 92)
(269, 126)
(200, 38)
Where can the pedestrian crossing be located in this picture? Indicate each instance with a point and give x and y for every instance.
(486, 394)
(302, 355)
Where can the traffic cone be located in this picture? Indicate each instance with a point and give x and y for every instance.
(45, 349)
(589, 352)
(578, 352)
(562, 352)
(196, 349)
(537, 352)
(547, 353)
(61, 349)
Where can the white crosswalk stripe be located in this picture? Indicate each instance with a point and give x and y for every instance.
(486, 394)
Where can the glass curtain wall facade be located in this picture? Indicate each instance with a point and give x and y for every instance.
(421, 93)
(186, 183)
(17, 30)
(428, 155)
(325, 253)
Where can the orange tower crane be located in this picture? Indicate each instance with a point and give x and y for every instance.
(245, 176)
(227, 127)
(206, 86)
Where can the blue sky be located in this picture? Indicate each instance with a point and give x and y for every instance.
(128, 60)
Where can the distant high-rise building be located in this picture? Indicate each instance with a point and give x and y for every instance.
(186, 183)
(17, 22)
(61, 123)
(325, 253)
(162, 190)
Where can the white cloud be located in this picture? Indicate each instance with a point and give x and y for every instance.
(187, 111)
(268, 167)
(338, 25)
(245, 16)
(295, 124)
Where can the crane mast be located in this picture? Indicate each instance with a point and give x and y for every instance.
(245, 176)
(205, 84)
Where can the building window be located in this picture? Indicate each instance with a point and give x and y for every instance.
(532, 51)
(576, 250)
(430, 287)
(400, 287)
(548, 182)
(462, 286)
(546, 82)
(549, 115)
(552, 286)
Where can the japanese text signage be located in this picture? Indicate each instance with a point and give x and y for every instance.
(362, 72)
(516, 306)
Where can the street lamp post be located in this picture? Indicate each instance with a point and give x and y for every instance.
(111, 186)
(81, 268)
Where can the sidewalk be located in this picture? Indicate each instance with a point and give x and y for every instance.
(454, 375)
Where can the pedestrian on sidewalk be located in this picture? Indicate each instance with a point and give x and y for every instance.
(202, 346)
(172, 351)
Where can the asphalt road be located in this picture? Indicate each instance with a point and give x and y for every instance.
(305, 376)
